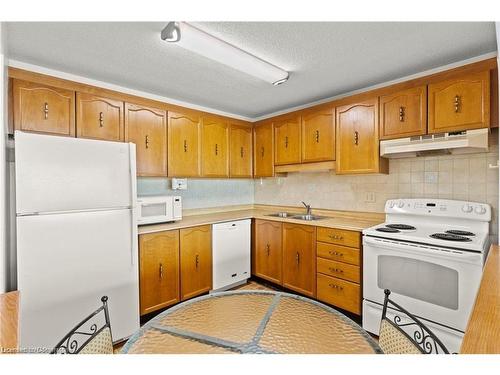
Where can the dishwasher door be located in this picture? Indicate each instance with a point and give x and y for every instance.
(230, 253)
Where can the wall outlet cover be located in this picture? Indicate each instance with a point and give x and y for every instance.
(370, 197)
(179, 184)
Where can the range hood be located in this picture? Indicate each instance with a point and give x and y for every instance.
(464, 142)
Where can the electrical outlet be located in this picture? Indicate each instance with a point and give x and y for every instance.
(179, 184)
(370, 197)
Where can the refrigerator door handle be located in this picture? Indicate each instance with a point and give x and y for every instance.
(133, 202)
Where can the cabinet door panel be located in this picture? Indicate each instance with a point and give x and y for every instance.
(183, 145)
(460, 104)
(147, 128)
(263, 150)
(287, 141)
(268, 251)
(404, 114)
(99, 118)
(215, 155)
(159, 270)
(196, 261)
(299, 258)
(241, 151)
(318, 136)
(44, 109)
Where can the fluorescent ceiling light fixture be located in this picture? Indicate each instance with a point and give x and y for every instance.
(197, 41)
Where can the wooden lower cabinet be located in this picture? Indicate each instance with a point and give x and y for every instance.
(299, 258)
(196, 261)
(340, 293)
(159, 270)
(268, 251)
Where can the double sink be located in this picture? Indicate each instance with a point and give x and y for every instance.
(288, 215)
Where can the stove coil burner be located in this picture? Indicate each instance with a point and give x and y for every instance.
(460, 232)
(401, 226)
(388, 230)
(450, 237)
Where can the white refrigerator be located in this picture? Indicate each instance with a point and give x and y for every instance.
(76, 235)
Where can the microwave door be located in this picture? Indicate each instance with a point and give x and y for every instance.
(155, 212)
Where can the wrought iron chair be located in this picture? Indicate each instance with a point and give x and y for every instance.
(86, 337)
(393, 339)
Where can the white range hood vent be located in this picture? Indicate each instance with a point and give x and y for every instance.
(464, 142)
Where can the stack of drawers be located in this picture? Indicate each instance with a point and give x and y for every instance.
(338, 268)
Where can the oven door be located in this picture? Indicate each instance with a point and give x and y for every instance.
(434, 283)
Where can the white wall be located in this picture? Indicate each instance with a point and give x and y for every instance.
(3, 135)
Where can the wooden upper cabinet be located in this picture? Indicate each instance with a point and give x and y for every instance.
(299, 258)
(43, 109)
(404, 113)
(241, 151)
(268, 251)
(196, 261)
(357, 139)
(460, 103)
(214, 145)
(158, 270)
(99, 118)
(287, 141)
(318, 135)
(263, 150)
(147, 128)
(183, 145)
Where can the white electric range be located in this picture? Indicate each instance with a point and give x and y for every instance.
(430, 253)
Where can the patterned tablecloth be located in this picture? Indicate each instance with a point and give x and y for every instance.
(251, 322)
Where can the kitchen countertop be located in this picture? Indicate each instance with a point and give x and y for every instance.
(355, 221)
(482, 335)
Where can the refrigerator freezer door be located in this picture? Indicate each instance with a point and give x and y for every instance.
(69, 174)
(66, 262)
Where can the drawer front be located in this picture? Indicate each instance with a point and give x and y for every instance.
(340, 293)
(339, 237)
(337, 269)
(338, 253)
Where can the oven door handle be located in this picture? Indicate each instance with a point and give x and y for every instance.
(466, 256)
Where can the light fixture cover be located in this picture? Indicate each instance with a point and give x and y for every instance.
(202, 43)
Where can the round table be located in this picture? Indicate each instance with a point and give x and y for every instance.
(251, 322)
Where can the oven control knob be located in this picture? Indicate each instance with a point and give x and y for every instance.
(467, 208)
(401, 204)
(480, 210)
(391, 204)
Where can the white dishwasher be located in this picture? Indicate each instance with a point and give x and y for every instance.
(230, 253)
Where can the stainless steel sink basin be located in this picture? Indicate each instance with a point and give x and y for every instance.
(282, 214)
(308, 217)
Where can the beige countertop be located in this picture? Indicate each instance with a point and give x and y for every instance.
(356, 221)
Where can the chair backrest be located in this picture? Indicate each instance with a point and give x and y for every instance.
(91, 336)
(405, 333)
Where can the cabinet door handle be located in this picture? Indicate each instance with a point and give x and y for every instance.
(185, 145)
(401, 114)
(101, 119)
(337, 287)
(336, 270)
(286, 142)
(297, 257)
(161, 271)
(356, 138)
(46, 111)
(317, 136)
(197, 261)
(262, 151)
(268, 249)
(147, 141)
(241, 151)
(216, 149)
(457, 103)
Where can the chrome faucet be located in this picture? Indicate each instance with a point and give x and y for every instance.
(308, 208)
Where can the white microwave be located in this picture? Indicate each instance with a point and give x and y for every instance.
(158, 209)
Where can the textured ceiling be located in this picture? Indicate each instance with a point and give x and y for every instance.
(324, 58)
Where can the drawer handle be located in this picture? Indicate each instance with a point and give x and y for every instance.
(147, 141)
(46, 111)
(161, 271)
(457, 103)
(317, 136)
(401, 114)
(101, 119)
(197, 261)
(337, 270)
(335, 237)
(268, 249)
(297, 257)
(336, 253)
(337, 287)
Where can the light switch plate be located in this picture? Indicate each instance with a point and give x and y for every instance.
(179, 184)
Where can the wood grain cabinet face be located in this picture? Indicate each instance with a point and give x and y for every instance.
(99, 118)
(196, 261)
(43, 109)
(357, 138)
(299, 258)
(214, 144)
(318, 136)
(183, 145)
(287, 141)
(268, 251)
(241, 151)
(263, 150)
(147, 128)
(159, 270)
(404, 114)
(459, 104)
